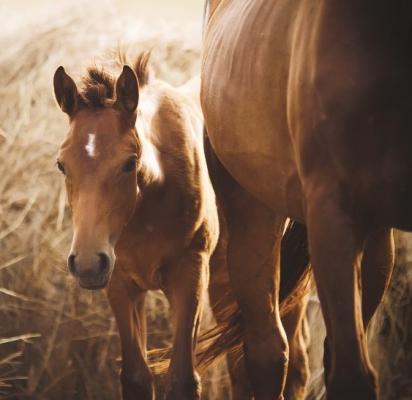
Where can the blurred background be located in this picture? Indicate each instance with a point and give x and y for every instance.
(56, 340)
(187, 11)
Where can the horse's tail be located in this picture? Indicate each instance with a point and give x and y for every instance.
(227, 335)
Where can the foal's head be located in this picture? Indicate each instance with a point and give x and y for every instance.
(99, 159)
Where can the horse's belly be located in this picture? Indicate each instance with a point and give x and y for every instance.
(244, 103)
(273, 183)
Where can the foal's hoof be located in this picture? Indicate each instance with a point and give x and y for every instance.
(136, 388)
(186, 389)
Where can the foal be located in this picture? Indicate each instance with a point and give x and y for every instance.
(144, 211)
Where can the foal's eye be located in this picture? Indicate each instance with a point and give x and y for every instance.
(60, 166)
(130, 165)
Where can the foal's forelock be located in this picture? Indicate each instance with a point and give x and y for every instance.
(98, 85)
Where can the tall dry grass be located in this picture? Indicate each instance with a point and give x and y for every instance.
(56, 340)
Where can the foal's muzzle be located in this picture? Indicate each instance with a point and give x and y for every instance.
(91, 270)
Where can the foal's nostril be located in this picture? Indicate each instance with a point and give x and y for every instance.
(104, 263)
(71, 264)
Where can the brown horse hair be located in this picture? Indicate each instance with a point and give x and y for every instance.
(98, 85)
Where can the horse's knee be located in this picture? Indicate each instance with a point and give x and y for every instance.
(186, 388)
(137, 386)
(266, 362)
(261, 348)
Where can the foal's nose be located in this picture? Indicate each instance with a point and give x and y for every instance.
(92, 271)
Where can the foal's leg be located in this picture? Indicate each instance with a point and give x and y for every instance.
(377, 265)
(222, 296)
(336, 248)
(185, 282)
(127, 302)
(253, 261)
(298, 370)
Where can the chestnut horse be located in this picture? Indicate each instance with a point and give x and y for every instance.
(144, 210)
(307, 106)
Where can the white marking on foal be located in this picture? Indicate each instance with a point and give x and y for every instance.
(150, 156)
(91, 145)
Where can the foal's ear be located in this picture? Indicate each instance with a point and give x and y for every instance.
(65, 91)
(127, 90)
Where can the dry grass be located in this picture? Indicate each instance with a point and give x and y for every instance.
(56, 340)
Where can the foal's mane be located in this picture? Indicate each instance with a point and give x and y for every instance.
(98, 85)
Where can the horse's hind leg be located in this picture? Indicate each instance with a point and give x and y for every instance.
(298, 370)
(221, 298)
(253, 261)
(127, 301)
(377, 265)
(336, 245)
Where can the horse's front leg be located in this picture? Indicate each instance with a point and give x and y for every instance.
(185, 282)
(127, 302)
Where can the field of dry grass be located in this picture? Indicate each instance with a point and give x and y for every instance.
(56, 340)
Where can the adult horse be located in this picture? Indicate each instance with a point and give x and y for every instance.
(144, 210)
(308, 107)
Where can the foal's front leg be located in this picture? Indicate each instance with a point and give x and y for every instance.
(185, 282)
(127, 302)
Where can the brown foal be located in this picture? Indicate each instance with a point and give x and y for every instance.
(144, 211)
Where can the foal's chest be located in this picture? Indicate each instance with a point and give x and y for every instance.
(157, 234)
